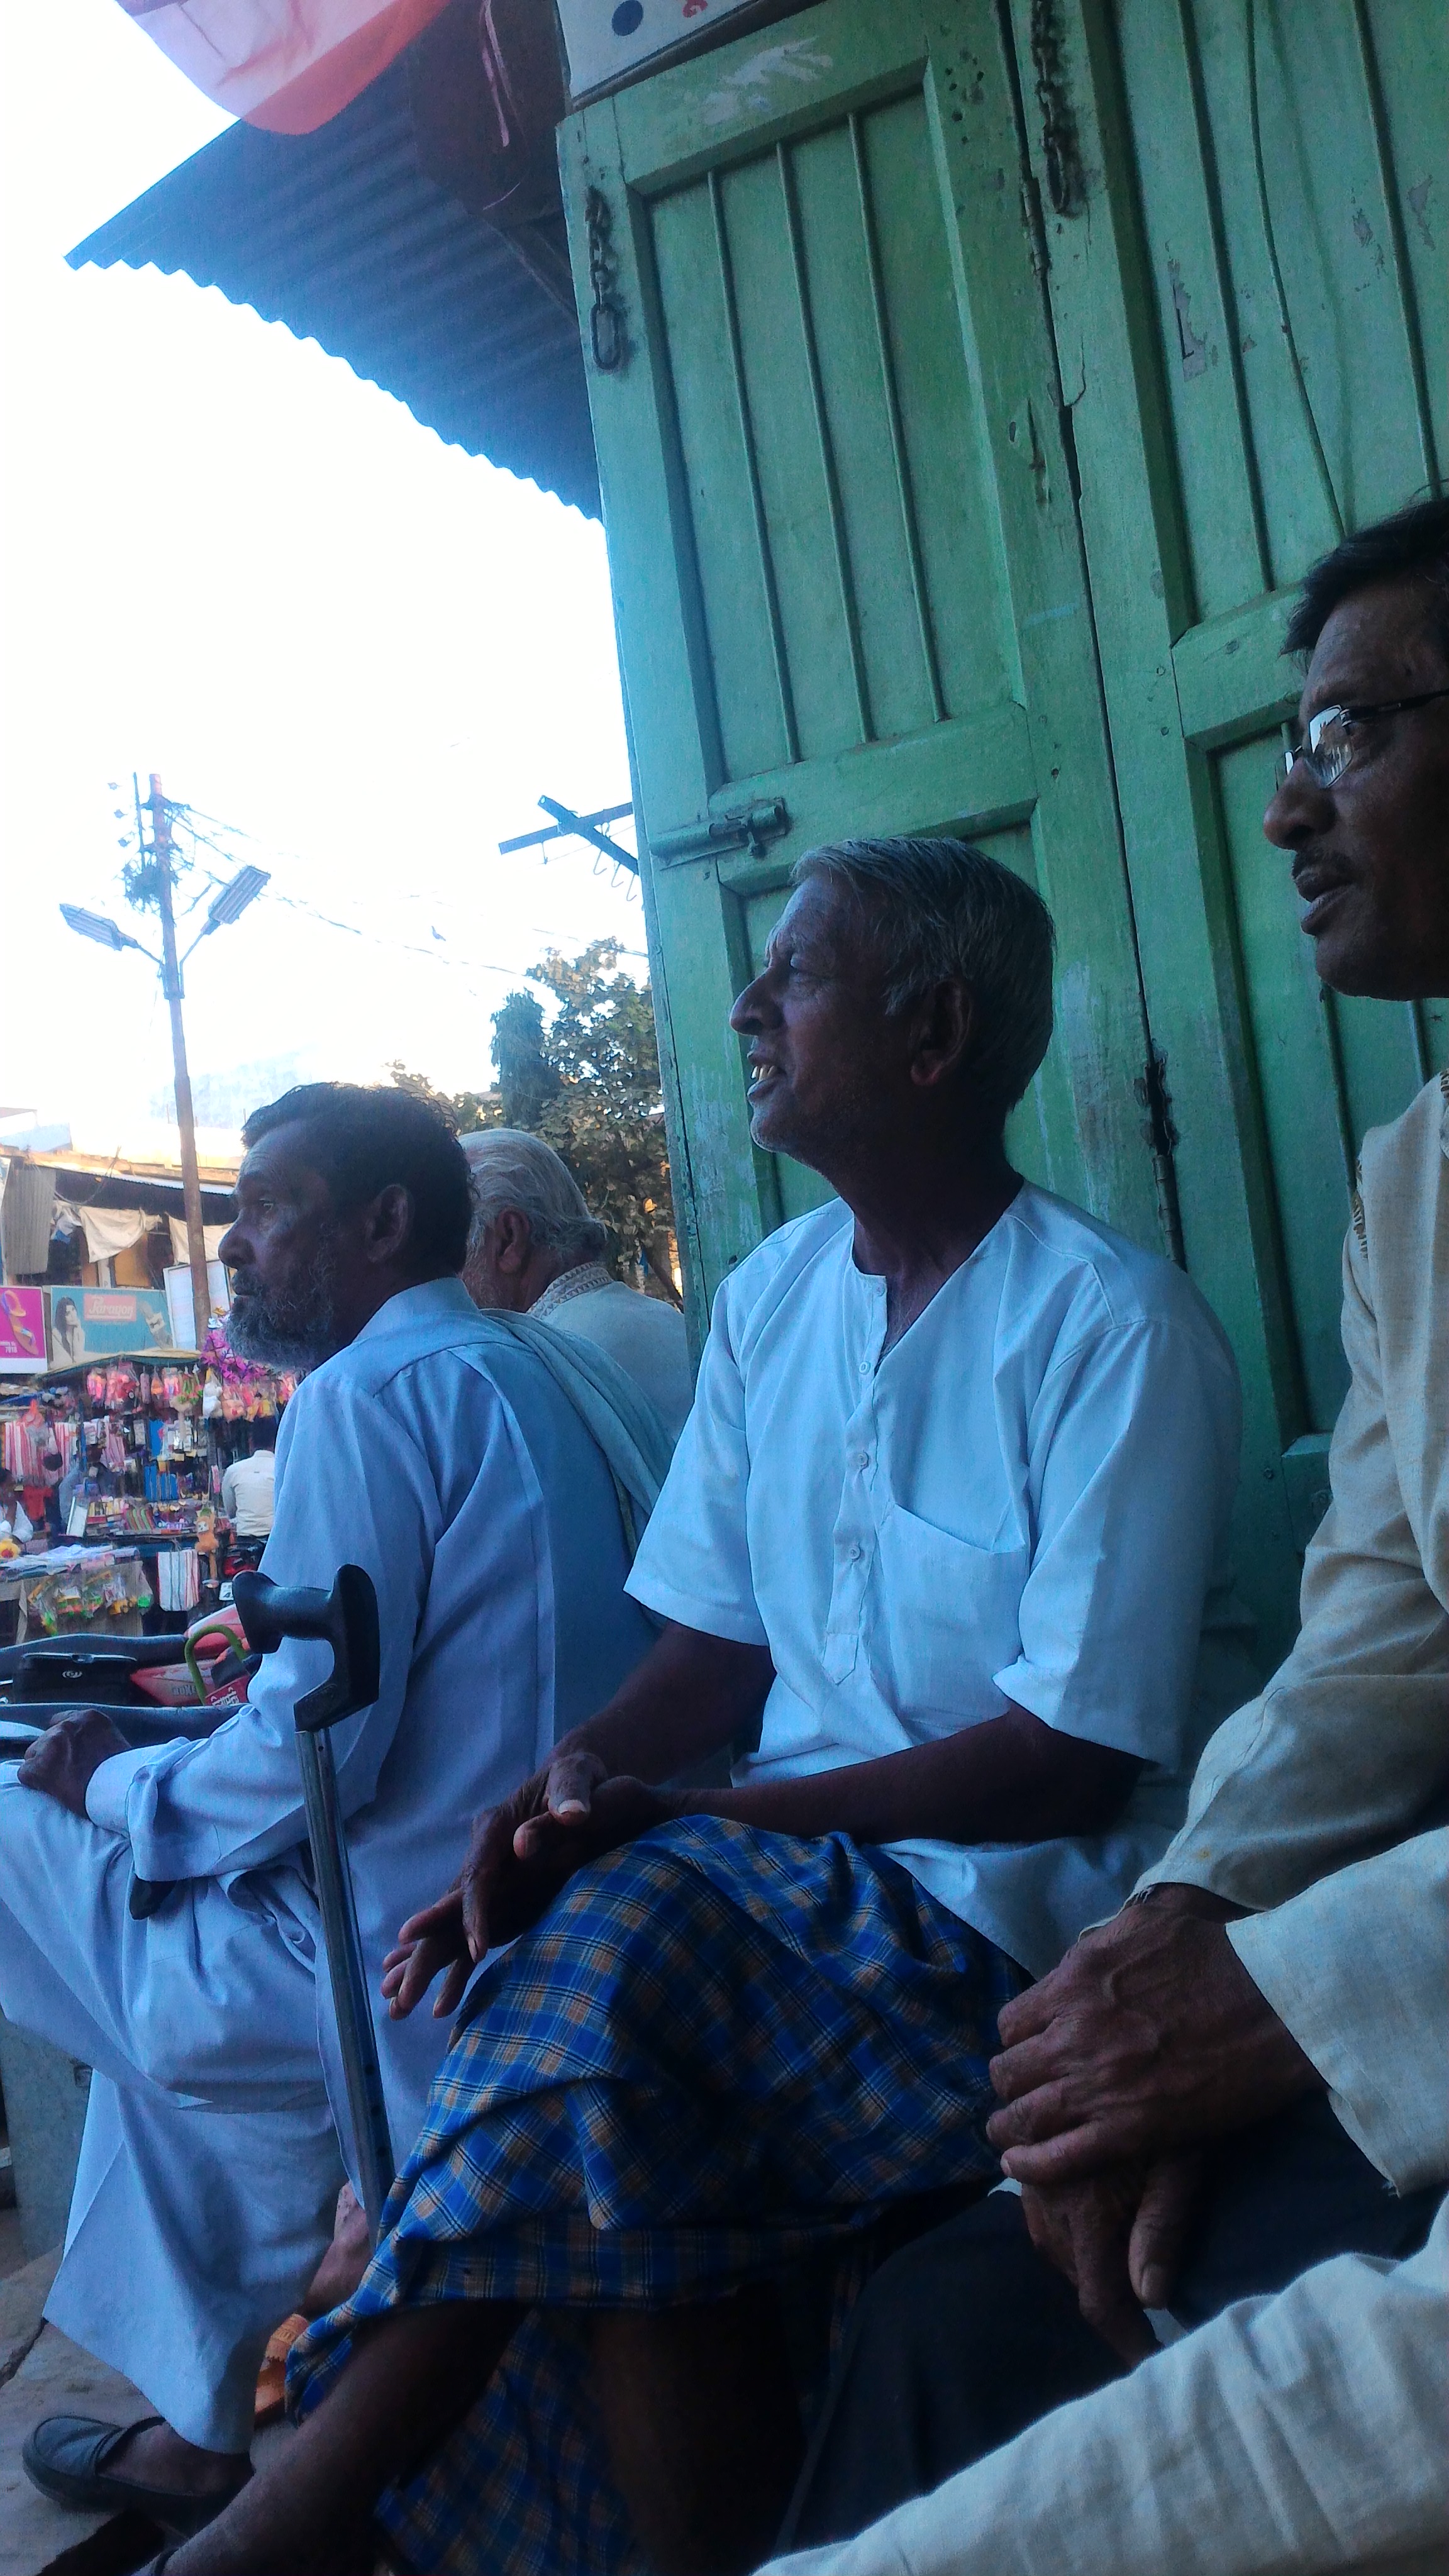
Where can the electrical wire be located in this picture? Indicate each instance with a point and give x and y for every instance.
(188, 815)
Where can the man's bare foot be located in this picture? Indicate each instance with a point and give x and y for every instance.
(345, 2261)
(155, 2456)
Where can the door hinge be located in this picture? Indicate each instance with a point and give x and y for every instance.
(606, 316)
(1060, 149)
(1159, 1134)
(747, 827)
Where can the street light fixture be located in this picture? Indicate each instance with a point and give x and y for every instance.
(227, 905)
(231, 901)
(94, 925)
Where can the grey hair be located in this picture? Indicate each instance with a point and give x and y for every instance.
(938, 910)
(511, 1169)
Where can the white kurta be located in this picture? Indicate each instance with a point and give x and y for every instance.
(443, 1458)
(642, 1335)
(1025, 1499)
(1303, 2432)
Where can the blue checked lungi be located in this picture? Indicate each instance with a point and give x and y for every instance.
(720, 2051)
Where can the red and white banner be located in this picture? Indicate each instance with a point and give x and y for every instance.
(286, 65)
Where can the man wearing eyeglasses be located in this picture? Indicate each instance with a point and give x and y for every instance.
(1238, 2085)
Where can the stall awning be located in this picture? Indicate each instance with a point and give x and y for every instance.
(343, 236)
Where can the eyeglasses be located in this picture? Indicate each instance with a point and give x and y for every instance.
(1329, 747)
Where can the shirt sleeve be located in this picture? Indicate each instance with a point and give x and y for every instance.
(1133, 1466)
(228, 1492)
(1344, 1748)
(1357, 1967)
(693, 1563)
(352, 1488)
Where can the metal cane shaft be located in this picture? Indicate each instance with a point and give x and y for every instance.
(349, 1985)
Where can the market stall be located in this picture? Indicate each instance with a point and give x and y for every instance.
(110, 1508)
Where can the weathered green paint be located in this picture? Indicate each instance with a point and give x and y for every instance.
(931, 507)
(1203, 502)
(846, 557)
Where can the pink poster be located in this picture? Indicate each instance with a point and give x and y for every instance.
(22, 1331)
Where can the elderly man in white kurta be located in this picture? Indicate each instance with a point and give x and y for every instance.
(435, 1450)
(944, 1536)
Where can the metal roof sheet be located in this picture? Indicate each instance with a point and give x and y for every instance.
(342, 236)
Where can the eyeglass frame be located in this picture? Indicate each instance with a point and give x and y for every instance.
(1307, 750)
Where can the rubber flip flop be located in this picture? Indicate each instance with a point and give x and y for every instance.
(66, 2458)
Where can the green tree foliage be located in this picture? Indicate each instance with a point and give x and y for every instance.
(528, 1079)
(589, 1084)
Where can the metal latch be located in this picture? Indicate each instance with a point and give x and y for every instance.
(747, 827)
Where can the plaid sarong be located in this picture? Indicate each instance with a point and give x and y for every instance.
(719, 2051)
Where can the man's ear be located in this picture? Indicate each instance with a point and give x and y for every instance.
(388, 1225)
(512, 1241)
(944, 1026)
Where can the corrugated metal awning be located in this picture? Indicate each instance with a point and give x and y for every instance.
(341, 235)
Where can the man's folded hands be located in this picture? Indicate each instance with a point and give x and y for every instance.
(568, 1813)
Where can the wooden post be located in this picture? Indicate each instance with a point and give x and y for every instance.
(185, 1118)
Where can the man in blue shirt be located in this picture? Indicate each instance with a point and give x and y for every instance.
(429, 1444)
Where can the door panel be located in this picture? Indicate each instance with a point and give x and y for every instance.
(847, 566)
(1251, 330)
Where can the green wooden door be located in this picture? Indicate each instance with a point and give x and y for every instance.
(847, 567)
(1247, 272)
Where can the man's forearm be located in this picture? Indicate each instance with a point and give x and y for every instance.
(691, 1695)
(1010, 1779)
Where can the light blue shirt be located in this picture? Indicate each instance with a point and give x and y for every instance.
(445, 1459)
(1025, 1499)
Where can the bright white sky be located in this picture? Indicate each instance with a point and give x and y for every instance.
(230, 560)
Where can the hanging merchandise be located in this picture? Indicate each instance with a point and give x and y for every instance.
(211, 1395)
(179, 1580)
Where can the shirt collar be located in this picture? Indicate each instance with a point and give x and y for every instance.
(432, 1298)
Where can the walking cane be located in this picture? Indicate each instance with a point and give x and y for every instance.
(345, 1619)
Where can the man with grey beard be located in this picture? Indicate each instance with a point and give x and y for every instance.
(432, 1445)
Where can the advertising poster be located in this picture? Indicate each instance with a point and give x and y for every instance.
(103, 1323)
(22, 1331)
(178, 1299)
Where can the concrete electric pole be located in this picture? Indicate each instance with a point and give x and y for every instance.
(227, 905)
(185, 1116)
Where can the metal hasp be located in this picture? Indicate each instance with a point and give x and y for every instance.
(345, 1619)
(748, 827)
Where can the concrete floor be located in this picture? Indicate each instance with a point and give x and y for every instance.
(43, 2373)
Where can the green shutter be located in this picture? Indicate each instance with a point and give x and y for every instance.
(849, 578)
(1214, 471)
(991, 375)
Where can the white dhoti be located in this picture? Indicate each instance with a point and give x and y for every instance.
(210, 2164)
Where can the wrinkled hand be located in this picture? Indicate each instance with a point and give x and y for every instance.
(521, 1854)
(1149, 2038)
(62, 1762)
(1118, 2238)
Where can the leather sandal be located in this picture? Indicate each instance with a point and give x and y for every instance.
(66, 2458)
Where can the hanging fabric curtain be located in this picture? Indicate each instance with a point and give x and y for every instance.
(111, 1230)
(181, 1250)
(286, 65)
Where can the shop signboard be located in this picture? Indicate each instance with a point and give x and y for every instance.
(103, 1323)
(605, 40)
(22, 1332)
